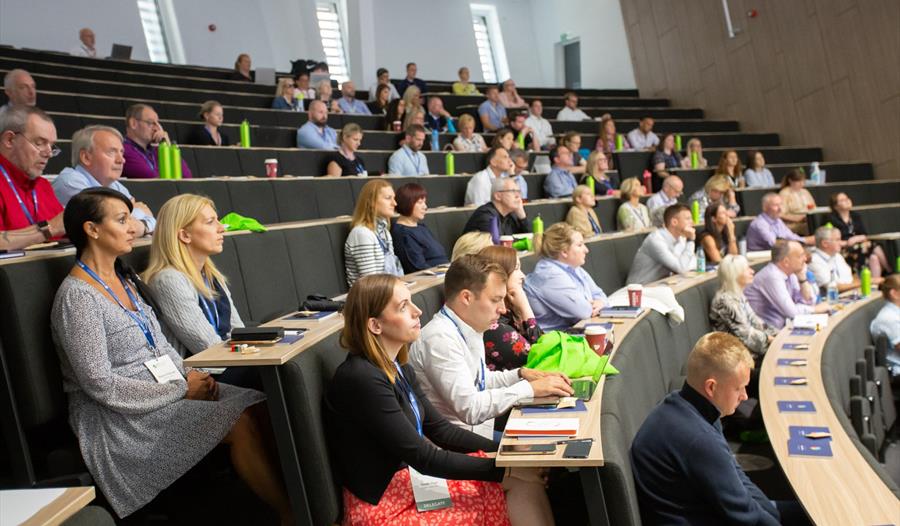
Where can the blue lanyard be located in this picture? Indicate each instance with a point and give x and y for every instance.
(139, 318)
(146, 157)
(413, 158)
(209, 307)
(15, 192)
(480, 382)
(412, 399)
(594, 224)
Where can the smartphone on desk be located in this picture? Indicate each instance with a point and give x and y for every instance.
(544, 401)
(528, 449)
(578, 448)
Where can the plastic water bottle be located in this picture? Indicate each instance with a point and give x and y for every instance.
(435, 141)
(695, 160)
(832, 289)
(814, 173)
(647, 184)
(449, 164)
(537, 229)
(865, 279)
(811, 278)
(701, 260)
(245, 133)
(620, 142)
(695, 212)
(451, 128)
(678, 142)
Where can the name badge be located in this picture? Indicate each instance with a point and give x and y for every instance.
(163, 369)
(431, 493)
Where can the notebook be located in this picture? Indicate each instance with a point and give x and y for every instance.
(523, 427)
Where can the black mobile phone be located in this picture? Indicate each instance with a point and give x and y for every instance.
(578, 448)
(528, 449)
(545, 401)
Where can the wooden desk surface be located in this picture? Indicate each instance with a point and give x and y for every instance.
(60, 508)
(840, 490)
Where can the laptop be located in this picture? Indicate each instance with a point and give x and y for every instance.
(121, 52)
(265, 76)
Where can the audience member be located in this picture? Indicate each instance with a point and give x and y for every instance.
(718, 238)
(345, 160)
(381, 102)
(768, 226)
(757, 175)
(316, 134)
(730, 165)
(463, 86)
(384, 79)
(717, 188)
(97, 160)
(519, 168)
(632, 214)
(242, 69)
(581, 215)
(642, 137)
(409, 159)
(369, 248)
(570, 111)
(19, 88)
(828, 265)
(509, 96)
(396, 114)
(437, 118)
(415, 116)
(143, 134)
(508, 340)
(672, 188)
(379, 421)
(665, 159)
(109, 344)
(505, 210)
(467, 140)
(572, 140)
(86, 46)
(797, 202)
(470, 243)
(857, 246)
(411, 80)
(667, 250)
(414, 243)
(325, 93)
(213, 115)
(491, 112)
(597, 167)
(541, 126)
(684, 469)
(525, 136)
(413, 99)
(478, 190)
(302, 89)
(348, 103)
(559, 290)
(780, 290)
(886, 323)
(560, 182)
(694, 146)
(606, 139)
(504, 138)
(730, 312)
(285, 98)
(29, 210)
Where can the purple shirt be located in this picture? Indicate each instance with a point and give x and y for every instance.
(143, 164)
(764, 230)
(775, 296)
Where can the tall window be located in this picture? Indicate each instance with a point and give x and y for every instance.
(153, 30)
(489, 42)
(330, 30)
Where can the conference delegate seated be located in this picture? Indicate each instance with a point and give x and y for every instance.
(470, 243)
(508, 340)
(596, 168)
(887, 322)
(570, 110)
(572, 140)
(504, 138)
(242, 69)
(757, 175)
(606, 139)
(316, 133)
(509, 95)
(213, 115)
(560, 182)
(672, 188)
(467, 140)
(142, 419)
(780, 291)
(768, 227)
(491, 113)
(828, 265)
(98, 158)
(856, 244)
(684, 470)
(665, 159)
(667, 250)
(543, 130)
(382, 99)
(730, 166)
(797, 201)
(519, 161)
(383, 77)
(694, 146)
(409, 159)
(415, 115)
(345, 161)
(505, 212)
(369, 248)
(284, 96)
(559, 290)
(463, 86)
(324, 93)
(581, 215)
(526, 138)
(395, 115)
(143, 134)
(414, 243)
(730, 312)
(718, 238)
(717, 188)
(437, 118)
(348, 103)
(642, 137)
(632, 214)
(411, 80)
(29, 210)
(478, 189)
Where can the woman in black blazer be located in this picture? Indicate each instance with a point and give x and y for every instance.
(213, 115)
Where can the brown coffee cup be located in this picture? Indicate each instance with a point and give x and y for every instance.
(635, 291)
(595, 335)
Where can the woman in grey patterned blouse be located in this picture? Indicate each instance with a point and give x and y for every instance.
(729, 311)
(141, 417)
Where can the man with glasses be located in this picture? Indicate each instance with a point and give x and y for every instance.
(478, 191)
(143, 134)
(672, 188)
(560, 182)
(29, 210)
(505, 209)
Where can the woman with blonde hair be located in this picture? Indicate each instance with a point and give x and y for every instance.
(369, 248)
(797, 202)
(412, 97)
(467, 140)
(694, 146)
(730, 312)
(597, 166)
(470, 243)
(345, 161)
(213, 115)
(581, 215)
(284, 96)
(632, 215)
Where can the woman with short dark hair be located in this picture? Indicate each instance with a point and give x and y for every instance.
(414, 243)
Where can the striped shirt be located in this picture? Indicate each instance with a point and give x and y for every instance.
(365, 252)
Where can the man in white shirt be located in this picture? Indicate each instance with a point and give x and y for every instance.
(541, 126)
(571, 112)
(828, 264)
(478, 191)
(642, 137)
(409, 159)
(672, 188)
(86, 48)
(384, 77)
(667, 250)
(448, 357)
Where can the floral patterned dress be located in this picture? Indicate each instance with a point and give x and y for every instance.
(507, 342)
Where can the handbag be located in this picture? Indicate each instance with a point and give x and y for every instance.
(320, 302)
(557, 351)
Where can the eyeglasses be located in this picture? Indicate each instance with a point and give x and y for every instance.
(42, 145)
(152, 124)
(512, 191)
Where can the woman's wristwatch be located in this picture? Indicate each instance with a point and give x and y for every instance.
(44, 228)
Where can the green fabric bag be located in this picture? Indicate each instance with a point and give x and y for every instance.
(565, 353)
(234, 222)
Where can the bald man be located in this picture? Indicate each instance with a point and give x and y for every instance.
(86, 47)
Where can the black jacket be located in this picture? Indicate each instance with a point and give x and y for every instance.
(480, 221)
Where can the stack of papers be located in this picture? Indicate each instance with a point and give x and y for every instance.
(809, 441)
(811, 321)
(525, 427)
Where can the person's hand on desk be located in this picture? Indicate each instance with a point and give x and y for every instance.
(596, 306)
(547, 384)
(201, 386)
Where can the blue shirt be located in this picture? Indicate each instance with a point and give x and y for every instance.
(496, 113)
(523, 184)
(353, 106)
(559, 183)
(560, 295)
(887, 324)
(73, 180)
(775, 296)
(407, 162)
(309, 136)
(760, 179)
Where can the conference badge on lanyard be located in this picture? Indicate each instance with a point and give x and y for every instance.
(431, 493)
